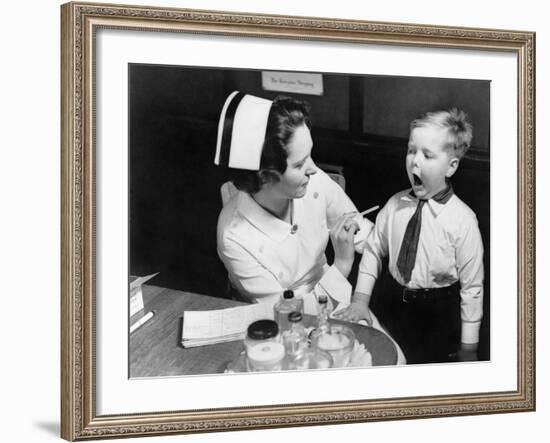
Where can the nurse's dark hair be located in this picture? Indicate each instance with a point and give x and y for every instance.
(286, 114)
(457, 124)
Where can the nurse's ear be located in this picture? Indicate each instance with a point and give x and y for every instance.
(269, 176)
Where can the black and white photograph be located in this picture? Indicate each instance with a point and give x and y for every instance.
(304, 221)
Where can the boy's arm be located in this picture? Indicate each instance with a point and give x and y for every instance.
(469, 258)
(361, 297)
(359, 306)
(376, 249)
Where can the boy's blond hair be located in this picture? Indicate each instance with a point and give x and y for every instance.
(457, 124)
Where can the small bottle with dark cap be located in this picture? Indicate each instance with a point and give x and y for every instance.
(295, 341)
(324, 313)
(287, 304)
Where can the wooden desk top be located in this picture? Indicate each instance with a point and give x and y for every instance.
(156, 351)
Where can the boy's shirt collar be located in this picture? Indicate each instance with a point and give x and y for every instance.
(435, 207)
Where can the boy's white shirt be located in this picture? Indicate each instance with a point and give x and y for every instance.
(450, 249)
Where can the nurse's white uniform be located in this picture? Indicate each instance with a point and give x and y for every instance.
(263, 256)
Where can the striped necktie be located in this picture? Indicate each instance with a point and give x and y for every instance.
(409, 246)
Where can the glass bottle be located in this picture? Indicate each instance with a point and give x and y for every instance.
(295, 341)
(287, 304)
(264, 350)
(323, 314)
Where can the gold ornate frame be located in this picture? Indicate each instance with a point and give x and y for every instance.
(79, 420)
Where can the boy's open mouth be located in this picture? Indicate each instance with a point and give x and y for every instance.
(417, 180)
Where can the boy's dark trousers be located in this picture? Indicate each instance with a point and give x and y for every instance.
(426, 323)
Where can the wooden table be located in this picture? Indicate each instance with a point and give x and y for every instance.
(155, 348)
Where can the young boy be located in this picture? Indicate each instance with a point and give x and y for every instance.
(432, 239)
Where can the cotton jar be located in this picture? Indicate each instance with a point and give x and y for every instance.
(264, 350)
(338, 341)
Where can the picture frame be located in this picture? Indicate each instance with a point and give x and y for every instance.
(81, 396)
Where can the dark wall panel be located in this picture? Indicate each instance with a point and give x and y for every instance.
(391, 103)
(173, 91)
(174, 185)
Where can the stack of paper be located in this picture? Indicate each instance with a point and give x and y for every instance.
(136, 294)
(222, 325)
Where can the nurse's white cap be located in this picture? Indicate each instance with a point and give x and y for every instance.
(241, 131)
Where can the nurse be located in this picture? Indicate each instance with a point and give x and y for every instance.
(273, 232)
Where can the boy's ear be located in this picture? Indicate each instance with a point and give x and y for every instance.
(453, 166)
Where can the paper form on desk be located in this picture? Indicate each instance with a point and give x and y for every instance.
(136, 294)
(221, 325)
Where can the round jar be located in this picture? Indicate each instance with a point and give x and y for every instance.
(338, 341)
(264, 350)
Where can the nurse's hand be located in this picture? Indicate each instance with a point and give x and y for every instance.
(341, 236)
(355, 312)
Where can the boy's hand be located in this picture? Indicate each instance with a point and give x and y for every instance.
(356, 311)
(467, 352)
